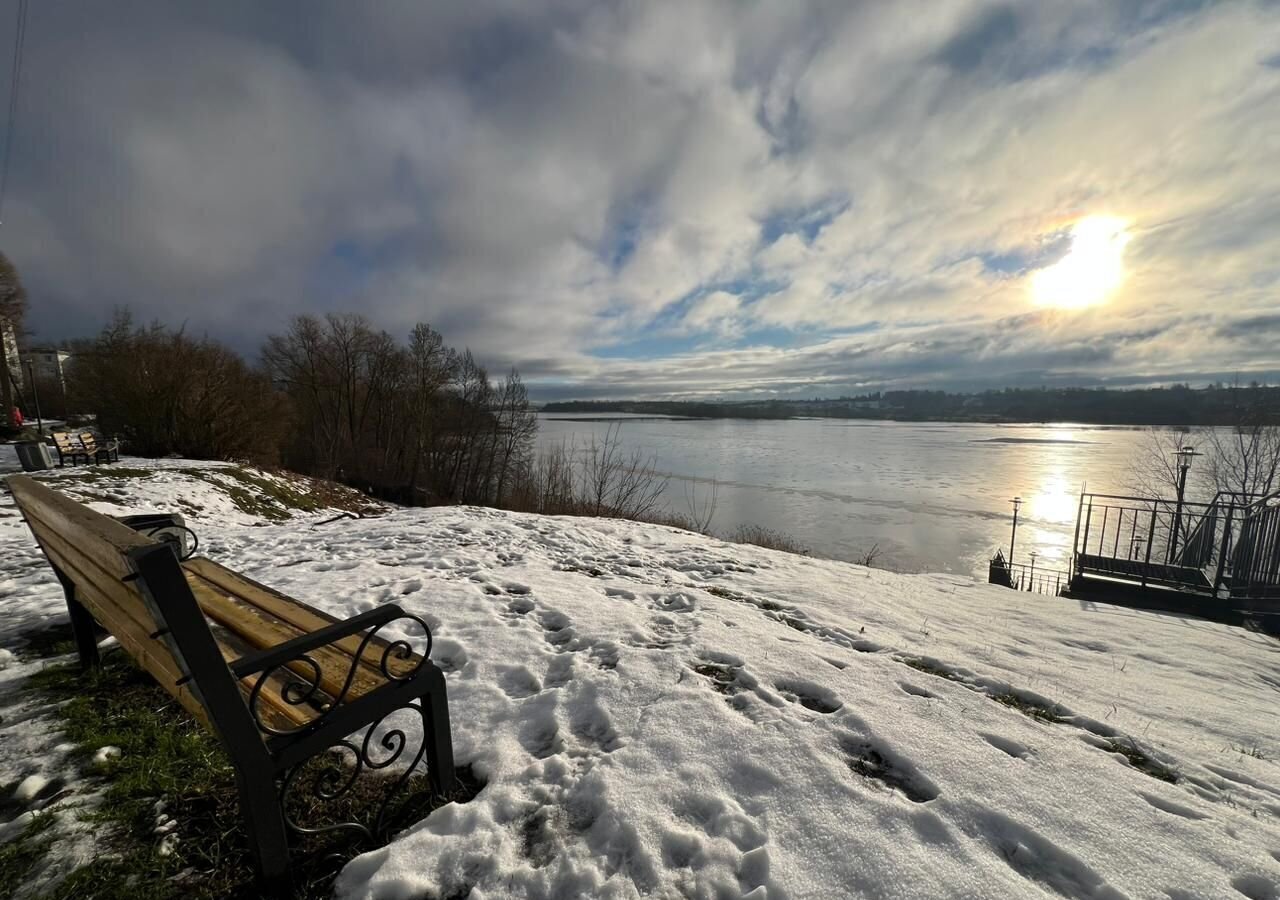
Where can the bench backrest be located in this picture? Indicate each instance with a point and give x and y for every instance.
(92, 551)
(88, 441)
(65, 442)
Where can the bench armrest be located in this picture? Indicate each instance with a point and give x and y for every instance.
(279, 655)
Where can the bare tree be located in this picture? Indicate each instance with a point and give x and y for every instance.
(13, 309)
(1245, 459)
(1240, 458)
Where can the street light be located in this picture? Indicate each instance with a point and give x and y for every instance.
(35, 395)
(1031, 576)
(1184, 455)
(1016, 501)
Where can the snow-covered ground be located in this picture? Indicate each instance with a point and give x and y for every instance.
(661, 714)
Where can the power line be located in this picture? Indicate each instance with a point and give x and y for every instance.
(15, 80)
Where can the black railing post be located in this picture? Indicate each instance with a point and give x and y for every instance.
(1151, 538)
(1224, 548)
(1075, 541)
(1013, 535)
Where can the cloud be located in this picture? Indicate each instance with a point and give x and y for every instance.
(663, 198)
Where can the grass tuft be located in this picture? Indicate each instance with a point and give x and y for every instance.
(19, 856)
(1141, 761)
(1050, 715)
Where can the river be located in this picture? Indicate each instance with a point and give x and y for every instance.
(933, 496)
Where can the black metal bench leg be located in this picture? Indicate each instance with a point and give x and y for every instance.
(82, 625)
(439, 742)
(264, 824)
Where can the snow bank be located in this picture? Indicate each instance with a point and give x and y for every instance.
(662, 714)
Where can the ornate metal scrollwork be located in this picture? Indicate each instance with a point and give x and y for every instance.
(333, 781)
(302, 677)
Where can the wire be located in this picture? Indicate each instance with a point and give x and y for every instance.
(15, 80)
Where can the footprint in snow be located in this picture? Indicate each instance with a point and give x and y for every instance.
(540, 733)
(591, 724)
(519, 607)
(560, 672)
(809, 695)
(874, 761)
(678, 602)
(605, 655)
(1256, 887)
(557, 631)
(1008, 746)
(517, 682)
(1173, 808)
(1040, 860)
(916, 691)
(449, 655)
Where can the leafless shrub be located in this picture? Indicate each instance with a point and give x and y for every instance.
(762, 536)
(702, 512)
(612, 482)
(868, 558)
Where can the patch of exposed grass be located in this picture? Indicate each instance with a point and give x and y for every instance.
(1050, 715)
(167, 756)
(44, 643)
(19, 855)
(277, 498)
(1140, 760)
(929, 668)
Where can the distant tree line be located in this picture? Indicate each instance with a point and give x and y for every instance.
(1217, 404)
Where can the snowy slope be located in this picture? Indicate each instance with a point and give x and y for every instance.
(661, 714)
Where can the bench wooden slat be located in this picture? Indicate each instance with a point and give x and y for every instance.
(302, 616)
(271, 706)
(260, 630)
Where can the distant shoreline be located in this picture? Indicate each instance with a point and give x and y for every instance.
(1172, 407)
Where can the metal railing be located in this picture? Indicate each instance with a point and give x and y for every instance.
(1027, 576)
(1175, 543)
(1255, 569)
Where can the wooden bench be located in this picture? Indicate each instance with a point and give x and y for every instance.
(108, 451)
(283, 685)
(69, 448)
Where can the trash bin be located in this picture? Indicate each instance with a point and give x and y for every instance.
(34, 456)
(168, 528)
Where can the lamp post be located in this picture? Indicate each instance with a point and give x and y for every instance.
(35, 395)
(1185, 455)
(1013, 536)
(1031, 576)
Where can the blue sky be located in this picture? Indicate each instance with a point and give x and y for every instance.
(703, 199)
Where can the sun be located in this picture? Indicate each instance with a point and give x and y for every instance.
(1091, 270)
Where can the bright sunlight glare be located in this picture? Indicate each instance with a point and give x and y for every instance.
(1090, 271)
